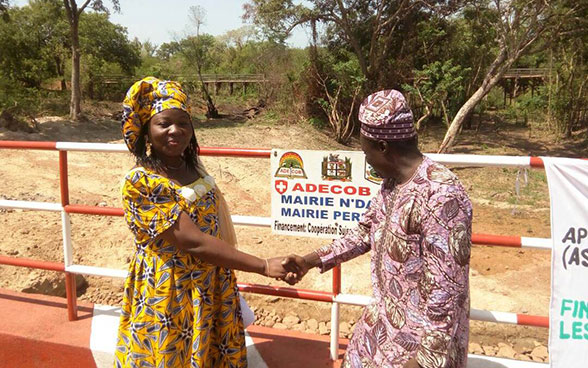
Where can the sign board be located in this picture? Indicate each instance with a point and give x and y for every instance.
(568, 322)
(320, 194)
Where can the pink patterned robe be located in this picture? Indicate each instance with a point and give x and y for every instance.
(419, 234)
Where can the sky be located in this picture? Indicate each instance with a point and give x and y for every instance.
(160, 21)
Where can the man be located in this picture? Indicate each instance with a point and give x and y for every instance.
(418, 228)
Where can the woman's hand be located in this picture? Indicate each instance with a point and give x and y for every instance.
(292, 268)
(274, 268)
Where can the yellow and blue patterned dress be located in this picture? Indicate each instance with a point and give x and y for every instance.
(178, 311)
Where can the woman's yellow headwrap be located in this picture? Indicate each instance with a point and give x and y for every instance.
(146, 98)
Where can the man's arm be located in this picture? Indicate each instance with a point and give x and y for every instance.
(355, 243)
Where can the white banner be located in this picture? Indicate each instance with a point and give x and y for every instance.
(568, 332)
(320, 194)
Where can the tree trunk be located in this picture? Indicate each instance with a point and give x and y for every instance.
(467, 108)
(74, 106)
(495, 72)
(445, 115)
(211, 110)
(423, 118)
(60, 69)
(75, 109)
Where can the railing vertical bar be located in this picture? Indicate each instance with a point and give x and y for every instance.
(337, 280)
(334, 344)
(70, 280)
(71, 294)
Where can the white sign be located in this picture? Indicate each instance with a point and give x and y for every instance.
(568, 331)
(320, 194)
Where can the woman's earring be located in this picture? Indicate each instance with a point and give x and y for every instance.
(148, 149)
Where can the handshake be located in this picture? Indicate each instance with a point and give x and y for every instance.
(292, 268)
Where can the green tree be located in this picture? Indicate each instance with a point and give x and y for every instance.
(567, 88)
(73, 13)
(438, 85)
(341, 82)
(33, 43)
(105, 45)
(37, 44)
(519, 24)
(376, 31)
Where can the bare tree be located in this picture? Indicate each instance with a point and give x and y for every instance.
(520, 23)
(341, 121)
(197, 14)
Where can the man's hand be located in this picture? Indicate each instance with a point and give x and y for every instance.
(296, 267)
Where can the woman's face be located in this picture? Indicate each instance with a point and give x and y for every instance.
(170, 132)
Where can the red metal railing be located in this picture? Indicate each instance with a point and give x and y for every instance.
(510, 241)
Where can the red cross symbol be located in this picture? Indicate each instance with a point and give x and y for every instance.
(281, 186)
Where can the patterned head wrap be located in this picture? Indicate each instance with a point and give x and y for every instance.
(146, 98)
(385, 115)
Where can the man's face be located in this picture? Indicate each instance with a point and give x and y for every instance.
(374, 154)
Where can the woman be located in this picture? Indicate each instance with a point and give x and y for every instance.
(181, 302)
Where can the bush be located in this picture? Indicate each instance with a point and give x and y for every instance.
(18, 98)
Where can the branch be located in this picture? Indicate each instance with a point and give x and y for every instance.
(296, 24)
(68, 10)
(81, 9)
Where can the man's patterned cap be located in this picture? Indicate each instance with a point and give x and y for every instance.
(385, 115)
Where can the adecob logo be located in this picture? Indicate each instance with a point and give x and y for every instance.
(291, 166)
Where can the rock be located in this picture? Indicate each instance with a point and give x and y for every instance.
(291, 321)
(489, 350)
(269, 323)
(312, 324)
(540, 354)
(505, 350)
(280, 326)
(344, 328)
(53, 284)
(299, 327)
(322, 328)
(475, 348)
(524, 345)
(523, 357)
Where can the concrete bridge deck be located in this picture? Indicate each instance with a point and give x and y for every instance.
(35, 333)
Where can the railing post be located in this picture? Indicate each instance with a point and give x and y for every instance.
(334, 346)
(70, 279)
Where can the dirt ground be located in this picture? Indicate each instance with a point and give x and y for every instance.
(502, 279)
